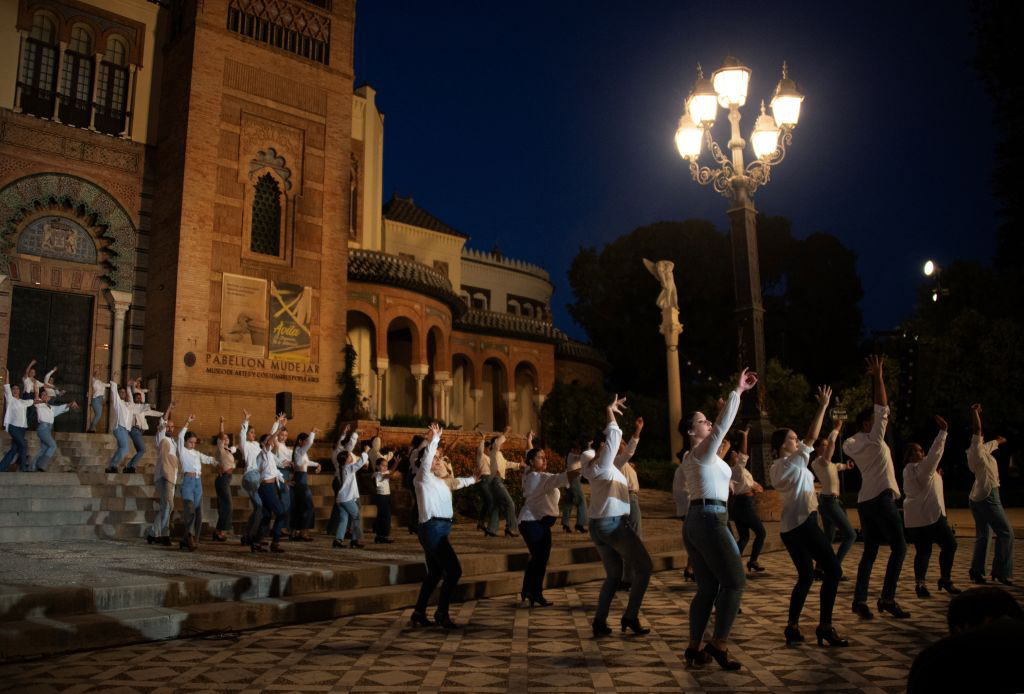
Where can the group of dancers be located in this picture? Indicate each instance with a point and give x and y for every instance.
(276, 480)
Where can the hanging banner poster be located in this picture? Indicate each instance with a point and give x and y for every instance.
(243, 315)
(291, 313)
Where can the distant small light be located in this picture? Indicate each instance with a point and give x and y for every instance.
(929, 268)
(935, 296)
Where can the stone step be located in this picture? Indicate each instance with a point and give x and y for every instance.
(11, 519)
(51, 503)
(40, 635)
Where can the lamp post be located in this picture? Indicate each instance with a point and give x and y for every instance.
(931, 269)
(737, 181)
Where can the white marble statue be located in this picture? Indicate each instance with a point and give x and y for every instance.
(662, 271)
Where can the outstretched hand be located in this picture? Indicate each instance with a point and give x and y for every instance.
(435, 429)
(941, 422)
(824, 395)
(639, 426)
(748, 379)
(875, 363)
(617, 405)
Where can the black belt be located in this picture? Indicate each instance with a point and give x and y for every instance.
(436, 518)
(707, 502)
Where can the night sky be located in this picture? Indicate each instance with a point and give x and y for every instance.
(546, 126)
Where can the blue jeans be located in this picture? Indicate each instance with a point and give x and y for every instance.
(442, 563)
(97, 412)
(302, 503)
(192, 496)
(272, 506)
(140, 446)
(502, 501)
(162, 521)
(717, 566)
(349, 513)
(251, 485)
(537, 535)
(989, 515)
(573, 497)
(617, 544)
(285, 494)
(880, 522)
(18, 449)
(836, 524)
(483, 486)
(47, 446)
(744, 515)
(123, 441)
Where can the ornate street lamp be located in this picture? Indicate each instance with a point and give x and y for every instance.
(737, 181)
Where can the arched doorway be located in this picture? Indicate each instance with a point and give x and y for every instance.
(362, 335)
(493, 410)
(525, 409)
(400, 391)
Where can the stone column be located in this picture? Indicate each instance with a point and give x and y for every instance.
(670, 328)
(382, 369)
(119, 303)
(510, 403)
(446, 398)
(419, 372)
(442, 379)
(475, 395)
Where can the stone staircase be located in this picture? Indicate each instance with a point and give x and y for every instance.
(75, 499)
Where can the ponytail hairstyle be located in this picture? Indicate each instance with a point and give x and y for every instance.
(263, 440)
(685, 424)
(531, 455)
(301, 439)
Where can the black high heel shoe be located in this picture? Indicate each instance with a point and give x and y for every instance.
(535, 600)
(721, 657)
(753, 566)
(793, 635)
(634, 626)
(511, 533)
(922, 591)
(418, 619)
(688, 574)
(694, 656)
(946, 584)
(976, 577)
(893, 608)
(1003, 579)
(566, 528)
(488, 533)
(445, 622)
(150, 539)
(600, 629)
(830, 635)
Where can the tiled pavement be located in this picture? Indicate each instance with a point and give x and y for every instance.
(507, 648)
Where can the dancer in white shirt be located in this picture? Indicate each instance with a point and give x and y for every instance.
(124, 420)
(876, 503)
(834, 520)
(501, 499)
(302, 498)
(140, 410)
(540, 508)
(386, 468)
(191, 484)
(251, 477)
(348, 464)
(483, 486)
(615, 539)
(97, 394)
(709, 543)
(45, 414)
(573, 496)
(804, 540)
(332, 522)
(165, 476)
(987, 508)
(225, 454)
(434, 501)
(270, 478)
(284, 465)
(924, 512)
(744, 514)
(681, 497)
(622, 461)
(16, 423)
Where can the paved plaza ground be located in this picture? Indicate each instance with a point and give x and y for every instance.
(509, 648)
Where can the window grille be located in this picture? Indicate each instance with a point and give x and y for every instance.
(112, 88)
(266, 217)
(76, 82)
(38, 75)
(291, 27)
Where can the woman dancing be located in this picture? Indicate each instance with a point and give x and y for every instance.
(434, 501)
(744, 515)
(987, 508)
(540, 508)
(924, 513)
(709, 542)
(830, 507)
(804, 540)
(616, 541)
(302, 520)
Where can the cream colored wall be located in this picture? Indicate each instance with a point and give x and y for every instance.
(504, 278)
(360, 336)
(145, 106)
(427, 246)
(368, 128)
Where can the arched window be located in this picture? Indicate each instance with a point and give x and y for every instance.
(112, 88)
(266, 216)
(76, 82)
(38, 76)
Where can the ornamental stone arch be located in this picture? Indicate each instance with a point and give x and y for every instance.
(91, 206)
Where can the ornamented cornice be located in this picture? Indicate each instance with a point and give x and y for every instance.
(383, 268)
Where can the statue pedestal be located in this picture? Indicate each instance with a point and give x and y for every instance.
(670, 328)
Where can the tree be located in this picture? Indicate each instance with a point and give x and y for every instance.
(349, 395)
(572, 414)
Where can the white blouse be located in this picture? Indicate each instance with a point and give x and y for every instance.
(483, 461)
(983, 464)
(541, 495)
(433, 494)
(349, 486)
(707, 475)
(874, 459)
(742, 480)
(16, 412)
(826, 471)
(266, 463)
(382, 480)
(925, 501)
(46, 413)
(250, 449)
(795, 485)
(300, 457)
(609, 488)
(191, 459)
(123, 410)
(498, 463)
(99, 389)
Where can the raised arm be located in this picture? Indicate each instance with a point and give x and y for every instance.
(427, 458)
(875, 364)
(243, 429)
(29, 368)
(833, 436)
(222, 425)
(181, 432)
(823, 397)
(499, 440)
(928, 466)
(976, 420)
(612, 436)
(744, 440)
(304, 448)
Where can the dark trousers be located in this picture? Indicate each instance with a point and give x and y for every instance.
(836, 524)
(880, 523)
(806, 545)
(937, 533)
(483, 487)
(272, 506)
(382, 523)
(573, 498)
(223, 486)
(332, 522)
(537, 534)
(744, 515)
(18, 449)
(442, 563)
(285, 494)
(302, 503)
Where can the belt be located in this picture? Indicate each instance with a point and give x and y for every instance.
(707, 502)
(436, 518)
(829, 496)
(274, 481)
(191, 474)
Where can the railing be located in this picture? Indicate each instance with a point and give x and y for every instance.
(49, 104)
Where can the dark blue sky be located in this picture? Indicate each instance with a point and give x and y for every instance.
(547, 126)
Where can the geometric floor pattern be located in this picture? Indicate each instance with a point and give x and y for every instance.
(506, 648)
